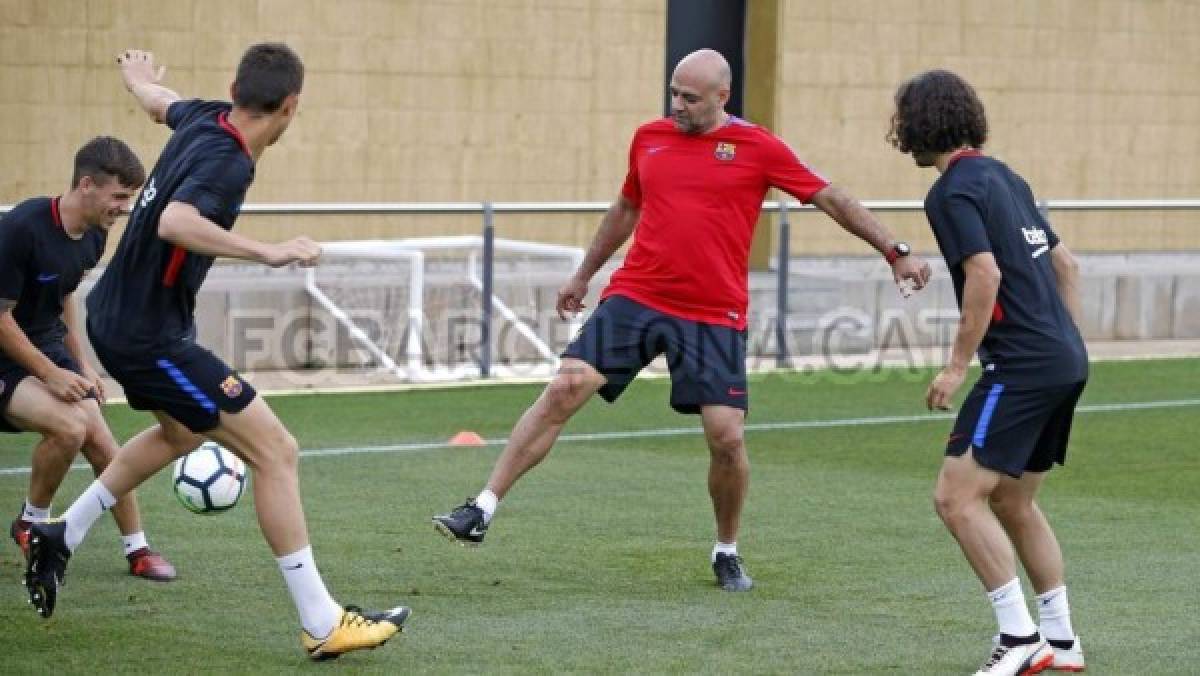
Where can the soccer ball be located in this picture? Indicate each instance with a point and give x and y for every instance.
(210, 479)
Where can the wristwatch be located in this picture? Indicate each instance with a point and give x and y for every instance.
(898, 250)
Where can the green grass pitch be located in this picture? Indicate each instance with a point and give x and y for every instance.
(598, 560)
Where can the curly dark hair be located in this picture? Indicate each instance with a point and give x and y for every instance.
(937, 112)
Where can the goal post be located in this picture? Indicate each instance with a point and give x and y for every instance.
(396, 299)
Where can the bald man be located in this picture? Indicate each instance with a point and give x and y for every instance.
(691, 198)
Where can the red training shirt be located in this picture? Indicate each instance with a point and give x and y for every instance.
(700, 196)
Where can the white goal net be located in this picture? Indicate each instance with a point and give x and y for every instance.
(413, 307)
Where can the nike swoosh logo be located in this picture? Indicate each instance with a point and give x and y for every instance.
(655, 149)
(733, 392)
(46, 277)
(298, 566)
(1041, 250)
(475, 532)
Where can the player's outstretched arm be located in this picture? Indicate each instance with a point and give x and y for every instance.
(142, 77)
(182, 225)
(856, 220)
(616, 227)
(1066, 271)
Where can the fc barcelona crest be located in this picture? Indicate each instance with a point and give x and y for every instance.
(232, 387)
(725, 151)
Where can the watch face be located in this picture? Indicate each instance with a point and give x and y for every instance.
(902, 248)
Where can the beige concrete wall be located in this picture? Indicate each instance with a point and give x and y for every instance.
(436, 100)
(1085, 98)
(404, 100)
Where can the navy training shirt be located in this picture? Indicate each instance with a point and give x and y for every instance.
(40, 265)
(145, 301)
(980, 205)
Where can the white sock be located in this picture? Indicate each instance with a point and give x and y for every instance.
(319, 613)
(82, 513)
(1054, 615)
(1011, 612)
(34, 514)
(134, 542)
(724, 548)
(488, 502)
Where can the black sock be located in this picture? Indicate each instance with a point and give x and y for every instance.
(1009, 641)
(1061, 645)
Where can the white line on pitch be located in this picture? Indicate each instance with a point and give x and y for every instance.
(684, 431)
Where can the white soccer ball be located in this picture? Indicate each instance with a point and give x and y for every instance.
(210, 479)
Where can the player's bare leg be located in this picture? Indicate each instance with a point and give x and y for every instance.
(728, 482)
(257, 436)
(729, 466)
(33, 408)
(99, 448)
(1015, 505)
(61, 424)
(66, 428)
(538, 428)
(51, 544)
(140, 458)
(145, 454)
(529, 443)
(962, 498)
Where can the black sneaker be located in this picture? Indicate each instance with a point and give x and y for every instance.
(465, 524)
(47, 564)
(730, 575)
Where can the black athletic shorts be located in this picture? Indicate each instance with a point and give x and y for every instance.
(12, 373)
(1015, 429)
(707, 361)
(190, 384)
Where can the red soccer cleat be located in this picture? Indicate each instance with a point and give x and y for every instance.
(19, 530)
(150, 565)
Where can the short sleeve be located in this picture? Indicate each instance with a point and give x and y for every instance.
(1051, 236)
(216, 187)
(785, 171)
(632, 188)
(181, 111)
(15, 250)
(1043, 222)
(962, 233)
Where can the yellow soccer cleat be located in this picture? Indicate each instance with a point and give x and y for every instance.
(356, 630)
